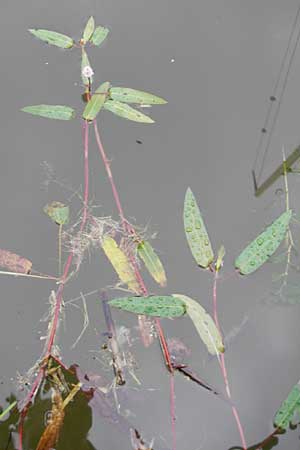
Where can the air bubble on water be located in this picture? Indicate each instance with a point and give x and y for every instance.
(279, 192)
(172, 60)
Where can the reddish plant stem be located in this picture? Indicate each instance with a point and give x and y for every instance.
(223, 366)
(59, 292)
(144, 291)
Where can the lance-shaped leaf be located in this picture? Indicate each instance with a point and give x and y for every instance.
(259, 250)
(165, 306)
(13, 262)
(85, 63)
(88, 30)
(152, 262)
(58, 112)
(128, 95)
(53, 38)
(288, 409)
(121, 263)
(95, 104)
(99, 35)
(125, 111)
(195, 231)
(58, 212)
(204, 324)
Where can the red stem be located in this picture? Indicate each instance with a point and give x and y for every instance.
(223, 366)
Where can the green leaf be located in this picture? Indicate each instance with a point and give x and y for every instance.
(152, 262)
(53, 38)
(125, 111)
(259, 250)
(195, 231)
(128, 95)
(288, 409)
(89, 30)
(99, 35)
(204, 324)
(95, 104)
(58, 212)
(220, 258)
(157, 306)
(84, 63)
(51, 111)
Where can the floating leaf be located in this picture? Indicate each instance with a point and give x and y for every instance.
(85, 63)
(95, 104)
(195, 232)
(152, 262)
(120, 263)
(53, 38)
(58, 212)
(14, 263)
(88, 31)
(259, 250)
(125, 111)
(158, 306)
(288, 409)
(99, 35)
(51, 111)
(204, 324)
(128, 95)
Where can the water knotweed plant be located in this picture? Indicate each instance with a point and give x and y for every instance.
(128, 249)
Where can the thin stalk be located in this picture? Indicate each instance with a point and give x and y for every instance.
(59, 248)
(223, 365)
(28, 275)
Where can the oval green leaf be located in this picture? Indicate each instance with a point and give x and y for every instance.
(88, 30)
(58, 212)
(204, 324)
(53, 38)
(259, 250)
(128, 95)
(95, 104)
(125, 111)
(195, 232)
(58, 112)
(157, 306)
(152, 262)
(99, 35)
(288, 409)
(85, 63)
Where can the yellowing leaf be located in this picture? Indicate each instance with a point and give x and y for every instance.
(120, 263)
(204, 324)
(152, 262)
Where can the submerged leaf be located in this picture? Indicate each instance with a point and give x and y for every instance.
(204, 324)
(59, 112)
(58, 212)
(158, 306)
(288, 408)
(53, 38)
(120, 263)
(95, 104)
(195, 231)
(152, 262)
(259, 250)
(99, 35)
(88, 30)
(128, 95)
(125, 111)
(14, 263)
